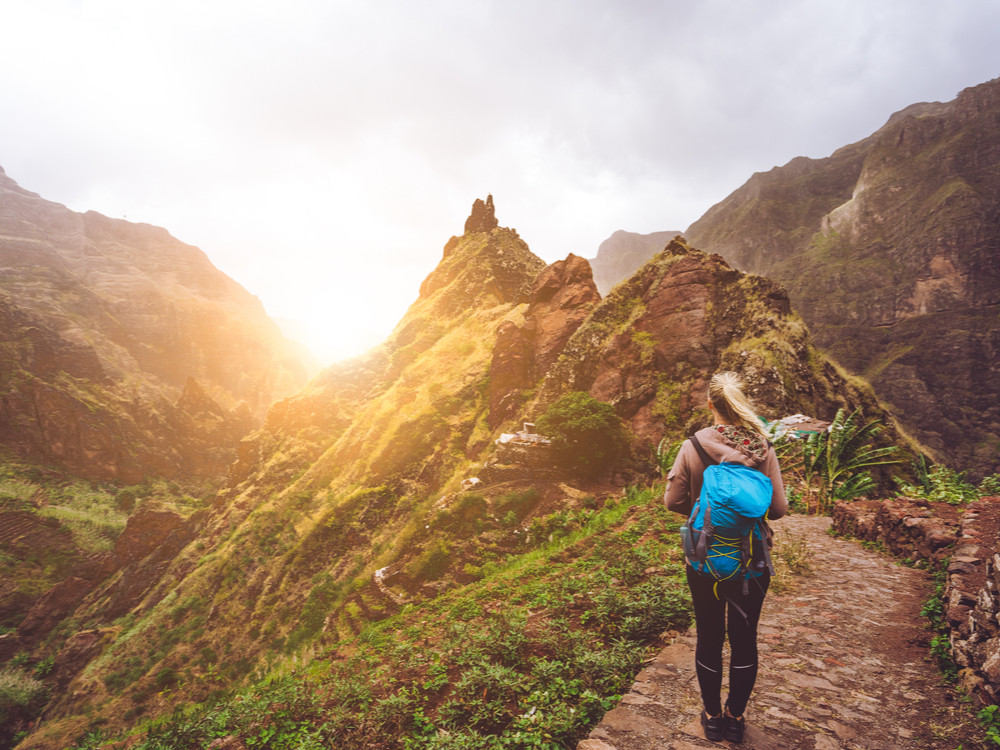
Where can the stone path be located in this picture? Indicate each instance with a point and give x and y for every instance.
(844, 665)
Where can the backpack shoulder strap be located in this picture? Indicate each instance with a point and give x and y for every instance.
(702, 453)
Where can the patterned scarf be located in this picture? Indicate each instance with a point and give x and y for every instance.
(743, 439)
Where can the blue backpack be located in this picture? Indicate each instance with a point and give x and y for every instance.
(726, 536)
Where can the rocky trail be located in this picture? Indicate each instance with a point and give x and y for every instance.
(844, 665)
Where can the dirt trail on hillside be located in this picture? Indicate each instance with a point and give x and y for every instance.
(844, 665)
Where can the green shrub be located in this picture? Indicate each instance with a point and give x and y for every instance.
(465, 516)
(666, 454)
(990, 486)
(642, 612)
(166, 678)
(587, 435)
(835, 465)
(943, 484)
(432, 562)
(512, 507)
(21, 697)
(934, 611)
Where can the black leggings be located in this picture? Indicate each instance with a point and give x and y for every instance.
(710, 622)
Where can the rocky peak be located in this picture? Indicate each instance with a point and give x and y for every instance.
(561, 298)
(482, 218)
(487, 265)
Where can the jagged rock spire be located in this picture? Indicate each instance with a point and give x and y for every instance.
(482, 218)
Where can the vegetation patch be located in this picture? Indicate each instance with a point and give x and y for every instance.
(587, 435)
(531, 656)
(21, 698)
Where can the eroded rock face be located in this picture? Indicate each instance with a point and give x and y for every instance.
(143, 552)
(145, 548)
(103, 325)
(889, 249)
(49, 609)
(560, 299)
(510, 372)
(79, 649)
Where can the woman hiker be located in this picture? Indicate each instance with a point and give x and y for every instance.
(738, 436)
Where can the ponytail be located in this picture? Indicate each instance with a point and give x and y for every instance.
(725, 391)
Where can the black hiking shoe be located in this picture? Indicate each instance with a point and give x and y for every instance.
(734, 727)
(714, 726)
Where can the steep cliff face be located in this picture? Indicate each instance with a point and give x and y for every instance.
(624, 253)
(560, 299)
(890, 250)
(107, 327)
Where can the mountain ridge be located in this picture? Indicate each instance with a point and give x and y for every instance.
(624, 253)
(106, 324)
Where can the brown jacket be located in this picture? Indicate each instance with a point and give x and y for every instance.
(684, 479)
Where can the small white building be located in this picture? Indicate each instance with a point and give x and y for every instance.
(527, 436)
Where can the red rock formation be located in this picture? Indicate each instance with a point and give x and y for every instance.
(561, 297)
(50, 608)
(510, 372)
(77, 652)
(143, 552)
(144, 549)
(649, 347)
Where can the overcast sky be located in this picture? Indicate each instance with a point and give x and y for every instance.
(322, 153)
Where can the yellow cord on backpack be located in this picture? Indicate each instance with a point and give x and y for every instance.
(732, 554)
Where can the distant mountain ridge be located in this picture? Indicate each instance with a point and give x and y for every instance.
(624, 253)
(890, 249)
(124, 353)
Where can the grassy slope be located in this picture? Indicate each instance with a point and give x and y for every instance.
(530, 656)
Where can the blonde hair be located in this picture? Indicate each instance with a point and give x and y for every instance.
(725, 391)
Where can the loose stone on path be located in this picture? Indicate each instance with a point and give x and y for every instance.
(844, 665)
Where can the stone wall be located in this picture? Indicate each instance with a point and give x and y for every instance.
(966, 540)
